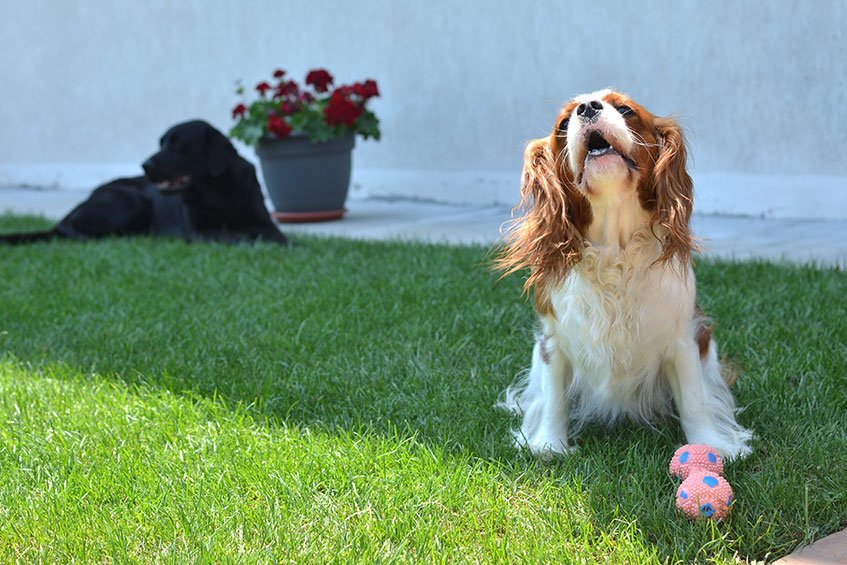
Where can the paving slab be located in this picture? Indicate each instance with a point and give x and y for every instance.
(48, 202)
(730, 237)
(831, 550)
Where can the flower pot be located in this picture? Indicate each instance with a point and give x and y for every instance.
(307, 182)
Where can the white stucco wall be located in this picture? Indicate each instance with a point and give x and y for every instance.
(761, 86)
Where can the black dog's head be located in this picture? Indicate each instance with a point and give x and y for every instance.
(188, 150)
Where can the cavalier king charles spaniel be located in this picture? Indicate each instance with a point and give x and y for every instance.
(606, 203)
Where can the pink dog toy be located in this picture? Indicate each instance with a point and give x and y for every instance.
(695, 456)
(704, 495)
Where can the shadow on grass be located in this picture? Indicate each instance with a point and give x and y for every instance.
(340, 336)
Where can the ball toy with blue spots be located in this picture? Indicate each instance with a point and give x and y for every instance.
(695, 456)
(704, 495)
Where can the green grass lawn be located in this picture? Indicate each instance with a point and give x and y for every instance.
(332, 402)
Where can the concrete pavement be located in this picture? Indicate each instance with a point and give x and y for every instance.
(734, 237)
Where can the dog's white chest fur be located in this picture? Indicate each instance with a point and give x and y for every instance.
(614, 317)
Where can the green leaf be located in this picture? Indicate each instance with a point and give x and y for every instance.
(368, 125)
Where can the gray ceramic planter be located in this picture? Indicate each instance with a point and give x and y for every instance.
(307, 182)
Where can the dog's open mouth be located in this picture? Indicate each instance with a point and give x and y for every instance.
(174, 185)
(597, 145)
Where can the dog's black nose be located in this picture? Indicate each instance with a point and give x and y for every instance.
(589, 109)
(147, 166)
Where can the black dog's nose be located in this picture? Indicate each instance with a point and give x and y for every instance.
(147, 166)
(589, 109)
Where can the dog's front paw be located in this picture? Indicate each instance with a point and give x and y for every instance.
(735, 445)
(734, 450)
(543, 446)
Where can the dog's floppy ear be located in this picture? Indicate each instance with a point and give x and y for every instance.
(220, 151)
(546, 239)
(674, 191)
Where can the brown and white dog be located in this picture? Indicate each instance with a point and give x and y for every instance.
(606, 203)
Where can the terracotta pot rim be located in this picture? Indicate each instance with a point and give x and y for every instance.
(307, 217)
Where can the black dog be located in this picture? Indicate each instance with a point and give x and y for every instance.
(197, 187)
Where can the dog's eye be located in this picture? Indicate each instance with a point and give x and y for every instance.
(625, 111)
(563, 126)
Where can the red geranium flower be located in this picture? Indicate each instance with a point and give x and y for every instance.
(344, 91)
(366, 90)
(371, 89)
(278, 126)
(238, 111)
(287, 108)
(279, 73)
(286, 88)
(320, 79)
(341, 111)
(263, 87)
